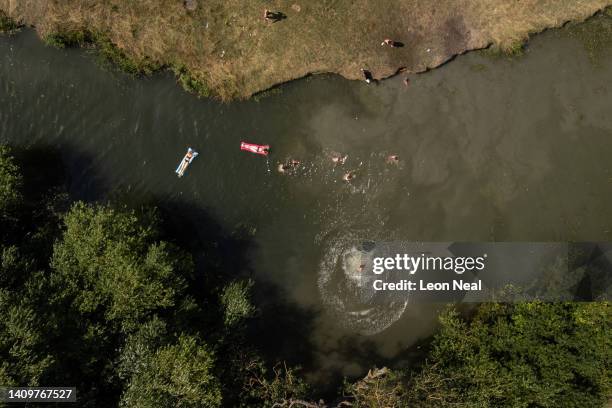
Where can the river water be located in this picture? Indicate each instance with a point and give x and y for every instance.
(491, 149)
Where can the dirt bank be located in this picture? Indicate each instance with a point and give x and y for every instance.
(225, 47)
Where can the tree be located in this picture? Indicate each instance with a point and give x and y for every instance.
(380, 388)
(10, 184)
(520, 355)
(112, 262)
(177, 375)
(280, 388)
(236, 302)
(24, 354)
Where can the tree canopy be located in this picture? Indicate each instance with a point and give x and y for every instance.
(111, 261)
(521, 355)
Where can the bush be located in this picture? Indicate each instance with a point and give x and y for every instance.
(521, 355)
(236, 302)
(67, 39)
(7, 24)
(381, 388)
(116, 56)
(177, 375)
(111, 261)
(269, 390)
(189, 82)
(10, 182)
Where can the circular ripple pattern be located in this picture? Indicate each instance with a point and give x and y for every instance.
(346, 287)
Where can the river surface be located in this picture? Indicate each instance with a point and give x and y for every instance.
(490, 149)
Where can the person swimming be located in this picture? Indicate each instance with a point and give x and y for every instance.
(393, 159)
(290, 164)
(348, 176)
(338, 159)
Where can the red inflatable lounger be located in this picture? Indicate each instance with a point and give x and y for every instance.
(254, 148)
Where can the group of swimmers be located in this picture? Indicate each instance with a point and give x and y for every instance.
(336, 158)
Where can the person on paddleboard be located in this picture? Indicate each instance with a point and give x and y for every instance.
(189, 155)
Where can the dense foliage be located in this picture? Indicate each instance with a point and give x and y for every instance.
(521, 355)
(106, 306)
(103, 298)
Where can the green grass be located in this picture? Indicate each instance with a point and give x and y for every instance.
(7, 24)
(189, 82)
(110, 54)
(67, 39)
(118, 58)
(515, 49)
(114, 57)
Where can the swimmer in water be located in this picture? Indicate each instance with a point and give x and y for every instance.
(393, 159)
(290, 164)
(348, 176)
(339, 160)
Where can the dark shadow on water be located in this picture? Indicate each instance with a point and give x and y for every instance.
(42, 169)
(44, 195)
(45, 198)
(279, 332)
(281, 329)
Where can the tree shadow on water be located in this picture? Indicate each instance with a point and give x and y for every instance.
(279, 332)
(281, 329)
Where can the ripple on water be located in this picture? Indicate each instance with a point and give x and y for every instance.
(346, 288)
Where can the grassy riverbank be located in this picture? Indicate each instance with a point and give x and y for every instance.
(226, 49)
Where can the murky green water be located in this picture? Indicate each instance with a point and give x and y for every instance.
(490, 149)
